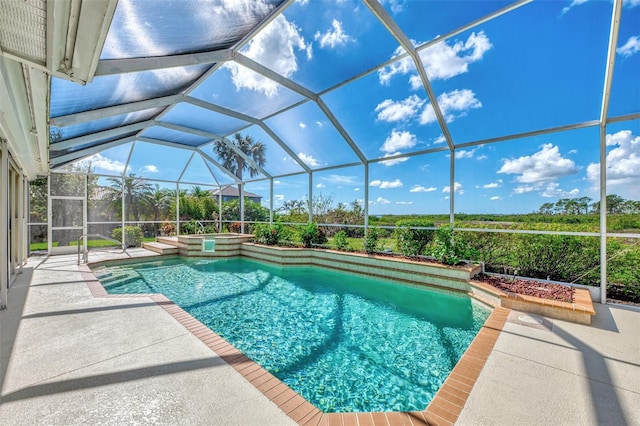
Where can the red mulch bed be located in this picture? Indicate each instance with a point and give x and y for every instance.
(539, 289)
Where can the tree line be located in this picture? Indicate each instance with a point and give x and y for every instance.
(583, 205)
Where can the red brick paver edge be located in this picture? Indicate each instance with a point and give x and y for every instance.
(444, 409)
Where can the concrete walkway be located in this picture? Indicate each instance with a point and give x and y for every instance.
(69, 358)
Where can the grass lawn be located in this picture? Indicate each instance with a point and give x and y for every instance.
(357, 243)
(95, 243)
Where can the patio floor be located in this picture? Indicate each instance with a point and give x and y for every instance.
(69, 358)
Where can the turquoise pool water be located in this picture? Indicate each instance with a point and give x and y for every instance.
(345, 342)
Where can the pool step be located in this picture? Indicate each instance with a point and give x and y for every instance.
(161, 248)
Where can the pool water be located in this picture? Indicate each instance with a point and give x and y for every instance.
(345, 342)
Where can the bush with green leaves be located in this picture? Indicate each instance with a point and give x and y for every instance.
(311, 235)
(449, 247)
(410, 240)
(270, 234)
(133, 235)
(371, 243)
(340, 241)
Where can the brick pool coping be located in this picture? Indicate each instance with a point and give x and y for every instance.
(443, 409)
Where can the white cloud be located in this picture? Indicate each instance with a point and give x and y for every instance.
(98, 162)
(523, 189)
(391, 111)
(406, 203)
(441, 61)
(573, 3)
(381, 200)
(482, 157)
(440, 139)
(457, 187)
(393, 161)
(274, 47)
(623, 163)
(631, 3)
(463, 153)
(302, 125)
(399, 140)
(333, 37)
(335, 179)
(420, 188)
(395, 6)
(319, 123)
(497, 184)
(496, 198)
(453, 105)
(150, 168)
(631, 47)
(308, 159)
(545, 165)
(385, 184)
(321, 185)
(278, 197)
(553, 190)
(356, 189)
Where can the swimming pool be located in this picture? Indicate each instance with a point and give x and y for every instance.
(346, 343)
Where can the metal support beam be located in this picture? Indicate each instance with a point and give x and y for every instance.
(4, 224)
(241, 197)
(20, 222)
(391, 26)
(604, 112)
(87, 152)
(124, 66)
(97, 114)
(310, 176)
(271, 201)
(209, 135)
(87, 139)
(213, 161)
(341, 130)
(272, 75)
(452, 186)
(177, 208)
(366, 197)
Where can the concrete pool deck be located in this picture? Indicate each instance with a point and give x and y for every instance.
(67, 357)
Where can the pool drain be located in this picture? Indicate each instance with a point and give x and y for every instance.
(529, 319)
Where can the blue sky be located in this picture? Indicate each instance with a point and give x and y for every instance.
(537, 67)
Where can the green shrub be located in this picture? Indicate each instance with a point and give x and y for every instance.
(133, 235)
(449, 247)
(557, 257)
(411, 241)
(270, 235)
(311, 234)
(340, 241)
(371, 243)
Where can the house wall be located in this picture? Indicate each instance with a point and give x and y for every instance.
(13, 221)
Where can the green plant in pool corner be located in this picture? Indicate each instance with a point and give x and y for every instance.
(449, 247)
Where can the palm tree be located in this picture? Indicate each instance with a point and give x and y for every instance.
(159, 202)
(198, 192)
(234, 162)
(136, 194)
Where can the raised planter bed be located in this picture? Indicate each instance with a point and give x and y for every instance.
(579, 311)
(385, 267)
